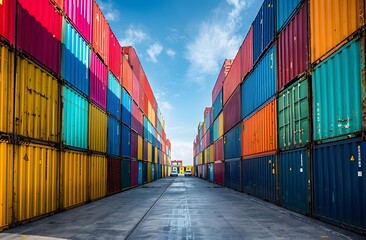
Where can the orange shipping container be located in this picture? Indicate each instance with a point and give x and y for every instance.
(127, 76)
(259, 135)
(100, 33)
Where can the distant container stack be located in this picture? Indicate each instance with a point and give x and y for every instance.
(75, 117)
(301, 112)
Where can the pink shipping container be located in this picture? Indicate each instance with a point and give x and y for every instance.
(134, 140)
(100, 33)
(115, 52)
(98, 81)
(137, 118)
(292, 47)
(232, 111)
(219, 149)
(219, 168)
(135, 89)
(134, 175)
(220, 79)
(7, 20)
(39, 33)
(80, 14)
(246, 54)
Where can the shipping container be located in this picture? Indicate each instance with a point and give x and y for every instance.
(259, 177)
(126, 174)
(75, 64)
(80, 13)
(114, 96)
(294, 180)
(140, 147)
(73, 179)
(6, 89)
(259, 132)
(114, 175)
(7, 19)
(285, 10)
(127, 75)
(219, 172)
(115, 51)
(139, 171)
(232, 174)
(134, 143)
(263, 28)
(98, 125)
(217, 105)
(338, 93)
(246, 55)
(98, 81)
(39, 28)
(136, 87)
(219, 149)
(211, 172)
(220, 79)
(75, 119)
(149, 152)
(260, 85)
(6, 184)
(144, 172)
(340, 183)
(126, 142)
(149, 171)
(328, 33)
(232, 143)
(134, 173)
(292, 49)
(231, 111)
(97, 177)
(100, 33)
(293, 115)
(114, 137)
(37, 103)
(130, 54)
(126, 107)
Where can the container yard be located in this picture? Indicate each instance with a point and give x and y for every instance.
(97, 97)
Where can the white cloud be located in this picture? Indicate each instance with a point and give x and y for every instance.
(182, 150)
(109, 11)
(170, 53)
(154, 51)
(134, 35)
(165, 106)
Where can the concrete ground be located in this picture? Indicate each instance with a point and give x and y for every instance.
(178, 208)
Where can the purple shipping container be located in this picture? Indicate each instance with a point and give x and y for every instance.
(219, 170)
(232, 111)
(98, 81)
(114, 175)
(80, 13)
(134, 142)
(134, 175)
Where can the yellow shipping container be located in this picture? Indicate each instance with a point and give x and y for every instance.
(206, 156)
(149, 172)
(37, 105)
(74, 180)
(149, 151)
(212, 153)
(140, 147)
(6, 184)
(200, 160)
(97, 177)
(331, 23)
(156, 153)
(35, 181)
(221, 124)
(98, 121)
(6, 89)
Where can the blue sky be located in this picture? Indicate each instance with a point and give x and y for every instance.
(181, 45)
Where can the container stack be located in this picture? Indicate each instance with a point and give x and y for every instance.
(67, 132)
(297, 83)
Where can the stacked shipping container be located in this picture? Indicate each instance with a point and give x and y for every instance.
(73, 110)
(301, 105)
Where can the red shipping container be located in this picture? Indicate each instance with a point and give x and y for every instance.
(114, 175)
(134, 139)
(115, 52)
(220, 79)
(292, 47)
(80, 14)
(246, 53)
(145, 107)
(127, 75)
(232, 111)
(98, 81)
(39, 33)
(133, 60)
(134, 176)
(219, 149)
(7, 20)
(100, 33)
(219, 170)
(135, 89)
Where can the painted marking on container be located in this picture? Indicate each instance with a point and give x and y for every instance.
(352, 158)
(359, 156)
(360, 173)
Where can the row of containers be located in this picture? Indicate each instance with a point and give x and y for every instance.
(287, 121)
(77, 111)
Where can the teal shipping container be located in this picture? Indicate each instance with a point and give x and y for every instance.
(126, 107)
(75, 119)
(211, 172)
(285, 10)
(217, 106)
(232, 174)
(114, 96)
(215, 130)
(114, 137)
(75, 62)
(126, 174)
(139, 173)
(337, 93)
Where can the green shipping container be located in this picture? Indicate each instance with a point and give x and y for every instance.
(293, 116)
(126, 174)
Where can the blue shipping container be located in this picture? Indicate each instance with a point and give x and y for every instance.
(294, 180)
(339, 170)
(139, 178)
(114, 136)
(211, 166)
(126, 142)
(114, 96)
(217, 106)
(285, 10)
(126, 107)
(232, 143)
(75, 58)
(215, 128)
(75, 119)
(232, 174)
(153, 172)
(260, 86)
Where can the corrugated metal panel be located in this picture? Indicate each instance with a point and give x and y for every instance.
(295, 180)
(74, 129)
(6, 184)
(232, 143)
(144, 172)
(39, 32)
(219, 149)
(126, 174)
(98, 81)
(246, 54)
(134, 142)
(337, 89)
(232, 174)
(340, 183)
(343, 18)
(126, 142)
(260, 85)
(74, 180)
(97, 176)
(7, 16)
(211, 172)
(98, 123)
(126, 75)
(212, 153)
(133, 61)
(292, 49)
(221, 124)
(263, 28)
(134, 173)
(232, 114)
(220, 79)
(100, 33)
(293, 115)
(145, 150)
(259, 177)
(140, 148)
(219, 172)
(80, 13)
(232, 79)
(114, 96)
(6, 89)
(285, 9)
(75, 64)
(114, 136)
(149, 170)
(114, 175)
(115, 52)
(37, 103)
(126, 107)
(217, 105)
(260, 132)
(149, 152)
(135, 89)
